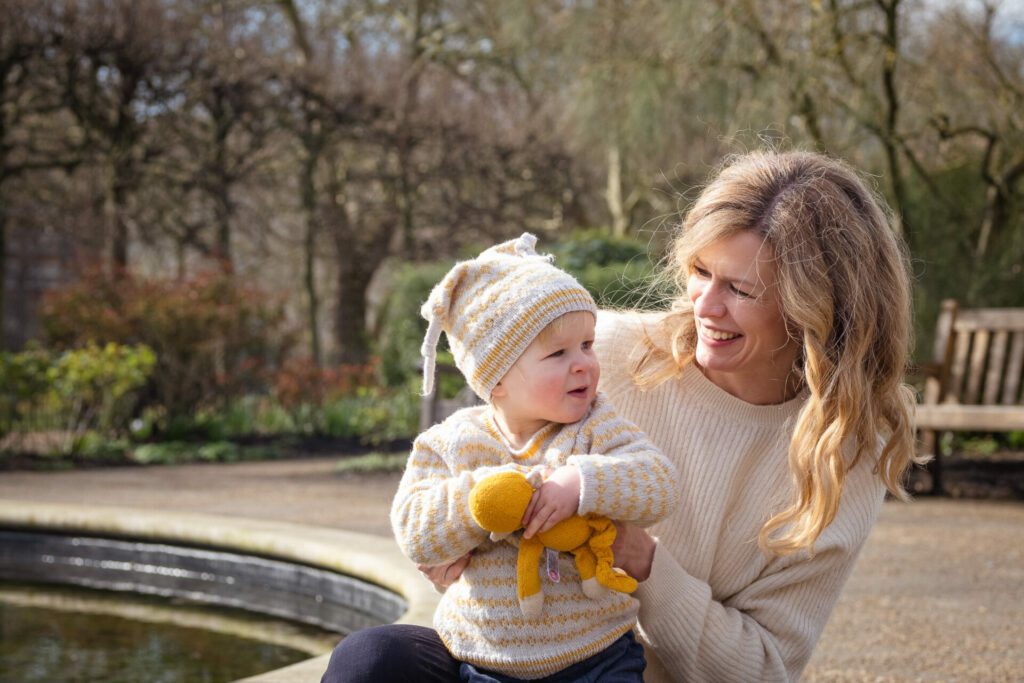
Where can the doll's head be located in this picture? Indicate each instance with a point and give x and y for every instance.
(499, 502)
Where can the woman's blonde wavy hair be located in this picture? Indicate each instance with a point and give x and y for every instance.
(844, 288)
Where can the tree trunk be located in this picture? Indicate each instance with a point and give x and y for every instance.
(309, 247)
(223, 211)
(614, 195)
(994, 215)
(406, 108)
(405, 199)
(359, 251)
(358, 261)
(892, 114)
(179, 254)
(222, 201)
(118, 226)
(3, 275)
(354, 277)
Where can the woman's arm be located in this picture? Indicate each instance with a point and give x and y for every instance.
(764, 632)
(624, 476)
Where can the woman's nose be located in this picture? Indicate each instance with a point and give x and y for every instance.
(708, 304)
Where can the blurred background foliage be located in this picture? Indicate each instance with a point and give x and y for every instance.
(245, 202)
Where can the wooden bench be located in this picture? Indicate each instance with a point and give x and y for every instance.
(974, 380)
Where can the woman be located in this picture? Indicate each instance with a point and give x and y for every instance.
(775, 385)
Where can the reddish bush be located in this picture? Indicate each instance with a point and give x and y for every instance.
(300, 382)
(215, 338)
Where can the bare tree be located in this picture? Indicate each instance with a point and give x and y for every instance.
(32, 137)
(221, 134)
(978, 85)
(119, 66)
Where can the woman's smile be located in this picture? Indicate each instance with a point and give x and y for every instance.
(714, 335)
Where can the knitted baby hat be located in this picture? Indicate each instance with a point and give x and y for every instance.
(493, 306)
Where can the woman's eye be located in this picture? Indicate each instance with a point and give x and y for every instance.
(700, 272)
(739, 292)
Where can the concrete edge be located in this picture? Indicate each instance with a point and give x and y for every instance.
(373, 558)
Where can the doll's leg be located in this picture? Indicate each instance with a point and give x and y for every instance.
(531, 597)
(586, 565)
(601, 543)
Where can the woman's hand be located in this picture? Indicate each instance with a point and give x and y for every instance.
(444, 575)
(634, 550)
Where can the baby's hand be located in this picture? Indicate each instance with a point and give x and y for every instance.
(557, 498)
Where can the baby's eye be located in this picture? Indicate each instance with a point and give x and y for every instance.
(587, 345)
(556, 354)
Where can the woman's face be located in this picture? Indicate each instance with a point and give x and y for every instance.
(743, 345)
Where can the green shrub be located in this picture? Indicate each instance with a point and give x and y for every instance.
(272, 418)
(23, 385)
(617, 271)
(98, 387)
(239, 417)
(78, 397)
(176, 452)
(375, 416)
(584, 248)
(401, 328)
(93, 445)
(371, 463)
(165, 453)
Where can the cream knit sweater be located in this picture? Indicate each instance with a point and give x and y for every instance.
(479, 618)
(715, 608)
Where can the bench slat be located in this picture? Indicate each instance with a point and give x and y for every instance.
(994, 374)
(1013, 369)
(980, 418)
(941, 351)
(978, 353)
(990, 319)
(956, 373)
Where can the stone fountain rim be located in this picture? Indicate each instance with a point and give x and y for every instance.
(375, 559)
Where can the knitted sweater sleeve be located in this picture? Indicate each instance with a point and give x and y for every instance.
(623, 475)
(767, 630)
(430, 512)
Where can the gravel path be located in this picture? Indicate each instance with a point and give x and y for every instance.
(937, 595)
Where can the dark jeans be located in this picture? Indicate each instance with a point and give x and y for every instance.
(399, 652)
(396, 653)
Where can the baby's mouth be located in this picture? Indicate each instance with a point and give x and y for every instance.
(582, 391)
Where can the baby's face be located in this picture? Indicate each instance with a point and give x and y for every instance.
(555, 380)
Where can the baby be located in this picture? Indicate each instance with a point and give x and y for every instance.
(522, 332)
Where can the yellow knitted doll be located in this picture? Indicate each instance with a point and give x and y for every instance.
(498, 503)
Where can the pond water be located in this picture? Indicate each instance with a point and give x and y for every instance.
(78, 635)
